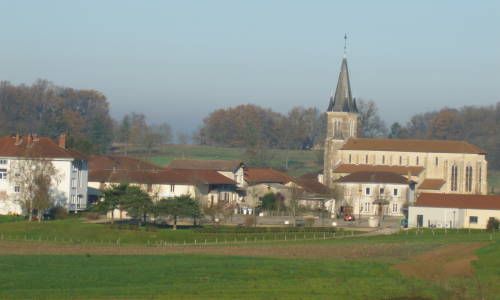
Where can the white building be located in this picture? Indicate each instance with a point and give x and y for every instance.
(375, 193)
(68, 186)
(454, 210)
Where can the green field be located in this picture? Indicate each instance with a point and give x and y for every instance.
(300, 162)
(201, 277)
(350, 267)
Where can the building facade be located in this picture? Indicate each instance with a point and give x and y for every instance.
(68, 186)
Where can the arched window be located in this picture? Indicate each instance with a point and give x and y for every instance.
(383, 159)
(468, 179)
(480, 174)
(350, 158)
(417, 160)
(454, 177)
(366, 159)
(437, 161)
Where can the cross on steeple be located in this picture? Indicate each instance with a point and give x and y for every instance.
(345, 45)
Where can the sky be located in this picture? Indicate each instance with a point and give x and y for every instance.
(176, 61)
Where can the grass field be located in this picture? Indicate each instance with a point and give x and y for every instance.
(300, 162)
(354, 267)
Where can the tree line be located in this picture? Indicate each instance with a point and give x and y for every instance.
(479, 125)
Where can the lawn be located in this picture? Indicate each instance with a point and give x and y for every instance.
(202, 276)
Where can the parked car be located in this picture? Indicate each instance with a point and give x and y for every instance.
(348, 218)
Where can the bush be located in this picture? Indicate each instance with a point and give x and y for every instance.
(91, 215)
(309, 222)
(493, 224)
(249, 221)
(58, 213)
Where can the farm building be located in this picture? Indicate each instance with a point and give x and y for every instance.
(453, 210)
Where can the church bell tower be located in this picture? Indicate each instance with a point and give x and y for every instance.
(342, 118)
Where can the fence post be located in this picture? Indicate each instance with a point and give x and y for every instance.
(324, 236)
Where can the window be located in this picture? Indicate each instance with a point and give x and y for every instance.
(383, 159)
(350, 158)
(3, 161)
(473, 219)
(417, 161)
(468, 179)
(400, 160)
(17, 189)
(395, 192)
(437, 161)
(366, 159)
(3, 174)
(381, 191)
(479, 178)
(395, 208)
(367, 191)
(454, 177)
(367, 207)
(172, 188)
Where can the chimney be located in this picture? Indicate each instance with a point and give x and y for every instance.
(18, 139)
(62, 141)
(29, 140)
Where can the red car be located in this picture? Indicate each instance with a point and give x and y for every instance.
(348, 218)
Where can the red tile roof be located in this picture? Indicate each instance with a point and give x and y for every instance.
(140, 177)
(189, 177)
(118, 162)
(434, 146)
(401, 170)
(204, 164)
(206, 176)
(41, 147)
(431, 184)
(261, 175)
(312, 186)
(374, 177)
(458, 201)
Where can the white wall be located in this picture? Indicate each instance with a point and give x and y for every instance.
(438, 217)
(73, 198)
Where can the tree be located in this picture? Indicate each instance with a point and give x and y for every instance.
(137, 203)
(113, 199)
(33, 178)
(370, 123)
(397, 131)
(268, 201)
(179, 206)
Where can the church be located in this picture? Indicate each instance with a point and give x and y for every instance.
(370, 169)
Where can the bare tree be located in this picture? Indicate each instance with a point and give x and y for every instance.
(33, 177)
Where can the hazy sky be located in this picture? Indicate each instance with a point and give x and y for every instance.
(176, 61)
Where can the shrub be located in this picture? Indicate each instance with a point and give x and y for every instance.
(493, 224)
(249, 221)
(91, 215)
(58, 213)
(309, 222)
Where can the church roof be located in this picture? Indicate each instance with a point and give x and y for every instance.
(401, 170)
(432, 146)
(342, 101)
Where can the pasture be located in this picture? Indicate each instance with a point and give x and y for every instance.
(454, 264)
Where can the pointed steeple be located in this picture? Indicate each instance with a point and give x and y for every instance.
(342, 101)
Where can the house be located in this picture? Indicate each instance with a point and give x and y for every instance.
(436, 166)
(453, 210)
(232, 169)
(371, 193)
(68, 186)
(209, 186)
